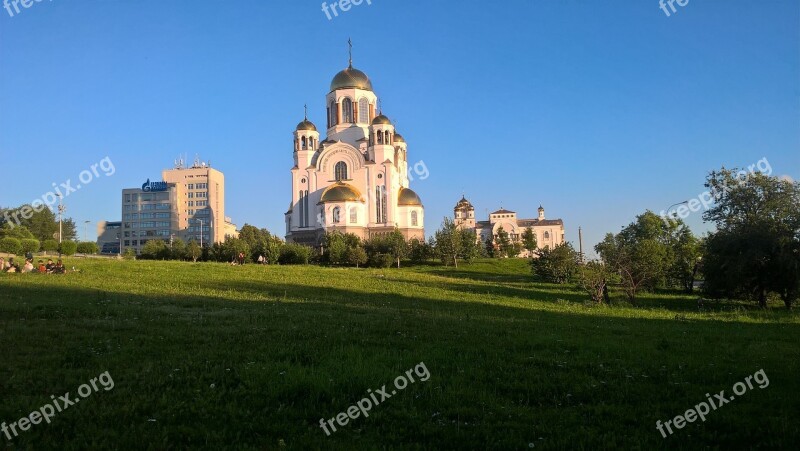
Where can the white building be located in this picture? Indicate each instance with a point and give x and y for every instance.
(548, 232)
(355, 180)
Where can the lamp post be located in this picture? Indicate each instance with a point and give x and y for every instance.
(60, 216)
(86, 230)
(673, 205)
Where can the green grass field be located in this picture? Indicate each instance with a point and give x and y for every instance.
(217, 357)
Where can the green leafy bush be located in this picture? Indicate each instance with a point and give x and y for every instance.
(10, 245)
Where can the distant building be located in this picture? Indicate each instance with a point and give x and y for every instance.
(108, 236)
(189, 203)
(549, 232)
(355, 180)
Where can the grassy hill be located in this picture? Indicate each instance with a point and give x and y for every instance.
(213, 356)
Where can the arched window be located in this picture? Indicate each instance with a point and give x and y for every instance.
(363, 110)
(353, 215)
(386, 137)
(303, 143)
(336, 215)
(347, 110)
(380, 137)
(340, 171)
(414, 218)
(332, 114)
(547, 235)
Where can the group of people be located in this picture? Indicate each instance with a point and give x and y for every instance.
(49, 268)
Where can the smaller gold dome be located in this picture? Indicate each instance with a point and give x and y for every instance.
(408, 197)
(381, 119)
(340, 192)
(306, 125)
(398, 138)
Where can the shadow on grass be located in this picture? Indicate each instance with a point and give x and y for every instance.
(211, 372)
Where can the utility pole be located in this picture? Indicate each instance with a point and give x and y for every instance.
(580, 244)
(86, 230)
(201, 233)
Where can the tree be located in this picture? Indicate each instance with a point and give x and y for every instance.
(490, 248)
(470, 246)
(556, 265)
(87, 247)
(232, 247)
(756, 248)
(448, 242)
(398, 248)
(529, 241)
(504, 246)
(593, 277)
(68, 248)
(178, 251)
(29, 245)
(686, 259)
(420, 251)
(155, 249)
(10, 245)
(355, 256)
(193, 250)
(129, 254)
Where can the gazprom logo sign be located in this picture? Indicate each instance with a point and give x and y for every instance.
(154, 186)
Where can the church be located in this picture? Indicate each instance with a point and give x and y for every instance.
(548, 232)
(355, 180)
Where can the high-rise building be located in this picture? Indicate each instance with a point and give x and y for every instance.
(189, 203)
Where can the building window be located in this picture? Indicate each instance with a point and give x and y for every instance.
(380, 203)
(332, 114)
(336, 215)
(303, 143)
(547, 235)
(347, 110)
(363, 110)
(414, 220)
(353, 215)
(340, 171)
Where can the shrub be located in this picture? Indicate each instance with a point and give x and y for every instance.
(10, 245)
(193, 250)
(381, 260)
(355, 256)
(87, 247)
(129, 254)
(50, 245)
(29, 245)
(69, 247)
(294, 254)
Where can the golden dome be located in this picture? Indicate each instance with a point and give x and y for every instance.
(351, 78)
(306, 125)
(398, 138)
(340, 192)
(381, 119)
(408, 197)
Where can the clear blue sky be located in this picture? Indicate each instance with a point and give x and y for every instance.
(596, 109)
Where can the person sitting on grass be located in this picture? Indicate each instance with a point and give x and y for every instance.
(10, 266)
(59, 268)
(41, 268)
(28, 267)
(50, 265)
(2, 264)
